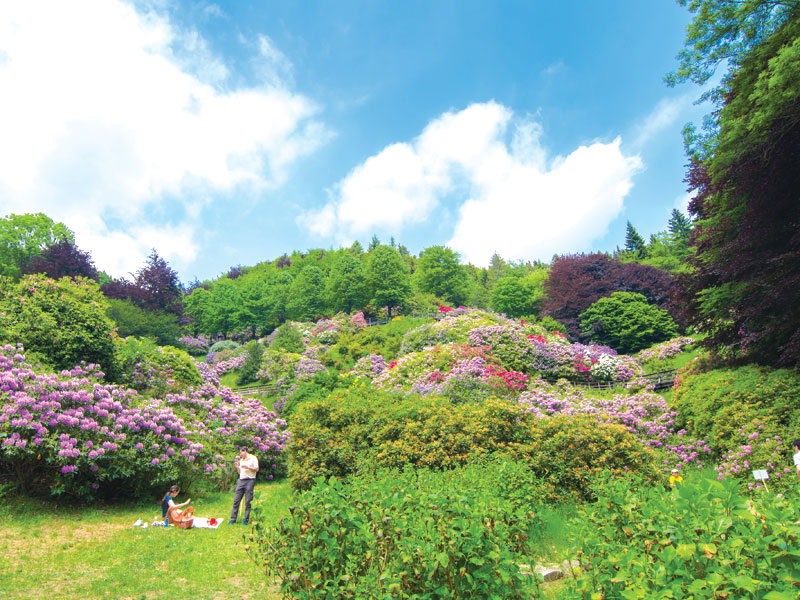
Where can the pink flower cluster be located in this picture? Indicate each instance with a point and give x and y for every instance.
(92, 432)
(644, 414)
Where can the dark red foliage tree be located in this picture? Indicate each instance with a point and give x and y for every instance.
(155, 287)
(162, 283)
(743, 289)
(62, 259)
(577, 281)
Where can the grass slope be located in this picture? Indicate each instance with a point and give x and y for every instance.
(58, 552)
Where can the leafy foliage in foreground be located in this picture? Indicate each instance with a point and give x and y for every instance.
(413, 534)
(702, 540)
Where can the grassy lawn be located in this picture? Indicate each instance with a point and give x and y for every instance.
(53, 552)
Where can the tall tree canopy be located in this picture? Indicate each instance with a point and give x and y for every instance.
(577, 281)
(744, 284)
(24, 236)
(439, 272)
(388, 278)
(62, 259)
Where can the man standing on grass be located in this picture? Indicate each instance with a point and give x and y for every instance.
(796, 445)
(247, 465)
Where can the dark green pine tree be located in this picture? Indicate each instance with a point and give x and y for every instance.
(634, 243)
(679, 227)
(374, 243)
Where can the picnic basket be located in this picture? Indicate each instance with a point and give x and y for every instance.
(183, 519)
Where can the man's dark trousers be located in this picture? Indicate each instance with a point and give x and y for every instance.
(244, 487)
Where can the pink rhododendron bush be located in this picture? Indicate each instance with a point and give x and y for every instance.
(71, 433)
(644, 414)
(480, 351)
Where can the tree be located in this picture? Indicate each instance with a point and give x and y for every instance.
(388, 278)
(626, 322)
(62, 259)
(679, 227)
(439, 272)
(634, 242)
(512, 297)
(161, 282)
(346, 285)
(743, 289)
(132, 320)
(577, 281)
(374, 243)
(24, 236)
(307, 295)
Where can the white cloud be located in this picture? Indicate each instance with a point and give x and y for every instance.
(682, 203)
(513, 200)
(109, 116)
(663, 117)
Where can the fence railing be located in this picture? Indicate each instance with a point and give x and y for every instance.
(256, 388)
(660, 379)
(384, 321)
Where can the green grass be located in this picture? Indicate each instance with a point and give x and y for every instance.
(230, 378)
(63, 552)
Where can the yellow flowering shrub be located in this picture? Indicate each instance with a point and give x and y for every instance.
(330, 437)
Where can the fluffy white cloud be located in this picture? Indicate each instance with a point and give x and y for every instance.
(120, 121)
(513, 200)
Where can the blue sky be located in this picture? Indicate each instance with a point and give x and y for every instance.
(226, 133)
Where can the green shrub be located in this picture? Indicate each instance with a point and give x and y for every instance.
(318, 388)
(550, 324)
(252, 364)
(132, 320)
(63, 320)
(223, 345)
(626, 322)
(404, 534)
(701, 540)
(567, 453)
(714, 405)
(287, 339)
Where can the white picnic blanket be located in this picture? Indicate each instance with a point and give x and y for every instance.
(202, 523)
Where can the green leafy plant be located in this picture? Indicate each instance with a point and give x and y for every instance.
(701, 540)
(626, 322)
(63, 320)
(404, 534)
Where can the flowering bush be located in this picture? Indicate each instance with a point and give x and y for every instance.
(665, 350)
(644, 414)
(369, 366)
(155, 370)
(63, 320)
(83, 437)
(448, 330)
(716, 404)
(283, 368)
(441, 369)
(357, 321)
(565, 452)
(754, 448)
(196, 346)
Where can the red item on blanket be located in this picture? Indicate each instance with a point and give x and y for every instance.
(212, 521)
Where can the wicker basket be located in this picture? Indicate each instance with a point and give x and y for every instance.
(182, 519)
